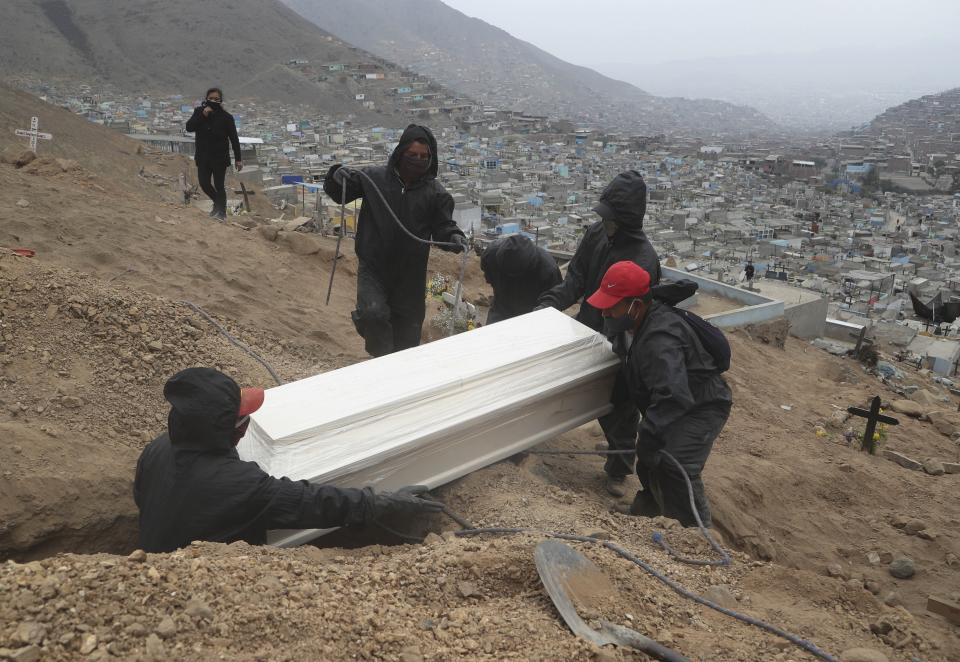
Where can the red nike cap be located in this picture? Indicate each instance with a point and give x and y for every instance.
(623, 279)
(251, 399)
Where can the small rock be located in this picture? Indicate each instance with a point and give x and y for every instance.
(934, 467)
(137, 556)
(836, 570)
(914, 526)
(951, 467)
(23, 203)
(26, 654)
(89, 644)
(197, 609)
(30, 632)
(721, 595)
(902, 460)
(902, 567)
(155, 346)
(926, 534)
(908, 407)
(943, 422)
(467, 589)
(136, 629)
(891, 599)
(845, 468)
(873, 558)
(433, 539)
(155, 648)
(167, 628)
(872, 586)
(71, 402)
(862, 655)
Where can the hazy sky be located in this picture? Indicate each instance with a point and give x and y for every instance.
(610, 31)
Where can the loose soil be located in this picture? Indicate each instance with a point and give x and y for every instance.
(92, 326)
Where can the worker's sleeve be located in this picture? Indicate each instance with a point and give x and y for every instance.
(280, 503)
(662, 367)
(333, 188)
(443, 228)
(571, 288)
(234, 139)
(136, 483)
(195, 120)
(552, 276)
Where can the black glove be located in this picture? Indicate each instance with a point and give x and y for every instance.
(403, 503)
(461, 243)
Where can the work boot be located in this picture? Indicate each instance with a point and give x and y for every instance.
(213, 212)
(616, 485)
(220, 215)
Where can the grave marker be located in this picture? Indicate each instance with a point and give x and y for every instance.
(33, 133)
(873, 417)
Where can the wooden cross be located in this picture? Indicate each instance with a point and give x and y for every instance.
(33, 134)
(873, 417)
(246, 196)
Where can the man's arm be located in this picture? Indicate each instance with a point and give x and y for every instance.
(195, 120)
(662, 366)
(571, 289)
(333, 184)
(280, 503)
(234, 142)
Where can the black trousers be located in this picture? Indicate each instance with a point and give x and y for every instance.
(689, 441)
(390, 311)
(215, 190)
(620, 429)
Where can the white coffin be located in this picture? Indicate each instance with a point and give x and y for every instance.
(428, 415)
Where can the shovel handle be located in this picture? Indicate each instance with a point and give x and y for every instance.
(633, 639)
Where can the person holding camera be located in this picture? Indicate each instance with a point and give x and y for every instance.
(215, 132)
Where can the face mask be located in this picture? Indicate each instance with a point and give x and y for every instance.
(610, 227)
(414, 164)
(213, 104)
(240, 429)
(614, 326)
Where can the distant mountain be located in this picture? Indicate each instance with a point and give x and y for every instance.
(832, 89)
(253, 48)
(487, 63)
(932, 117)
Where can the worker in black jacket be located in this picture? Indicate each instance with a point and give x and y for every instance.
(519, 272)
(674, 382)
(392, 274)
(215, 132)
(191, 484)
(617, 236)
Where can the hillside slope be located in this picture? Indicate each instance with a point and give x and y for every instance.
(487, 63)
(179, 46)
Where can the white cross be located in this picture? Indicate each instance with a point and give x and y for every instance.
(33, 133)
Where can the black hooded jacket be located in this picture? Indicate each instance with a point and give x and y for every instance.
(519, 272)
(669, 373)
(191, 484)
(626, 197)
(425, 209)
(214, 135)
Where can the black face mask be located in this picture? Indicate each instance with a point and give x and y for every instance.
(614, 326)
(413, 166)
(212, 104)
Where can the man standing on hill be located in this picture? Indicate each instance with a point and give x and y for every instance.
(519, 272)
(674, 380)
(191, 484)
(392, 275)
(617, 236)
(215, 132)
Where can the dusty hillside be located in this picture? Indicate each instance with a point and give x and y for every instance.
(91, 327)
(176, 46)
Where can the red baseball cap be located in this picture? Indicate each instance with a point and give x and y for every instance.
(251, 399)
(623, 279)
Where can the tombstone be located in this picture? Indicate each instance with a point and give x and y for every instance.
(33, 133)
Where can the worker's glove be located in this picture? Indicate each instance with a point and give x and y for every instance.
(462, 244)
(403, 503)
(340, 174)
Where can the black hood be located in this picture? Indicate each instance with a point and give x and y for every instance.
(624, 200)
(411, 134)
(518, 255)
(203, 409)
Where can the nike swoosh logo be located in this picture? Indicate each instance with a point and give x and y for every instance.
(609, 285)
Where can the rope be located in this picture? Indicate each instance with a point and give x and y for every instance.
(594, 452)
(226, 334)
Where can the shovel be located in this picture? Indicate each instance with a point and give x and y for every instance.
(571, 578)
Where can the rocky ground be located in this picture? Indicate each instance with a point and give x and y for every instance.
(838, 546)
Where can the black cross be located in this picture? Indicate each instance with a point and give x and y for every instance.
(873, 417)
